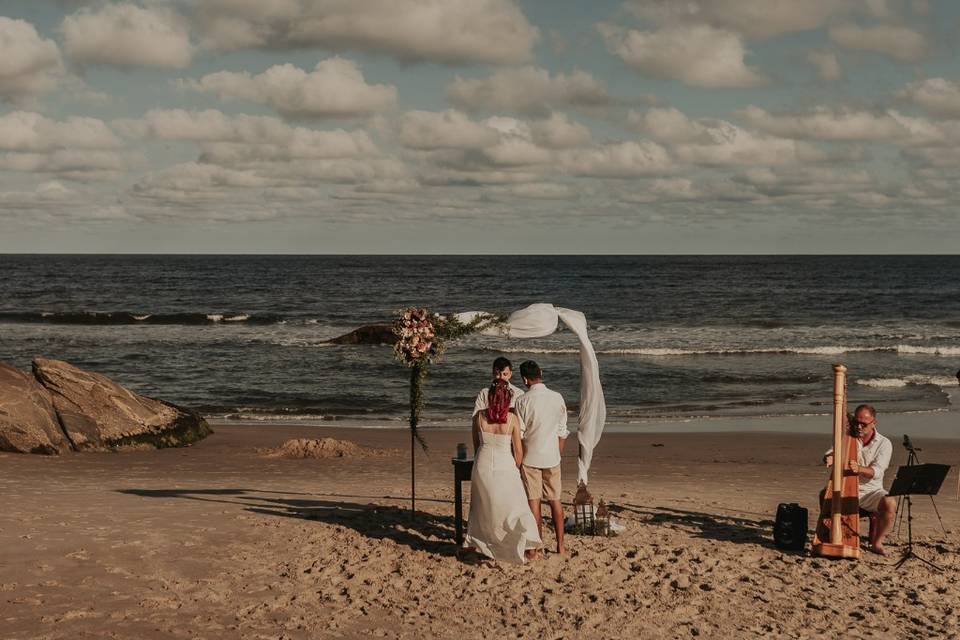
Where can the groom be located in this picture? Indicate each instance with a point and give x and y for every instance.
(543, 429)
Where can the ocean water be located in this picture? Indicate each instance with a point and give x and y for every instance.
(244, 337)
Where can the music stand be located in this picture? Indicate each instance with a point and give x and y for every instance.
(914, 480)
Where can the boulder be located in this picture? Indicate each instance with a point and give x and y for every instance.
(97, 413)
(28, 421)
(368, 334)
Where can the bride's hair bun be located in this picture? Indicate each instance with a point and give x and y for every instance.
(498, 402)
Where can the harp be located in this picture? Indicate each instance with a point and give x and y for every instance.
(838, 527)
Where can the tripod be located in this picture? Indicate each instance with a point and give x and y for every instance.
(912, 459)
(909, 474)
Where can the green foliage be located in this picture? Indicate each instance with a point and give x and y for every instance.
(415, 326)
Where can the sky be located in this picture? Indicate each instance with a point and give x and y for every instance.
(480, 126)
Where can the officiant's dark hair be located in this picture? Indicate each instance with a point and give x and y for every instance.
(500, 364)
(531, 370)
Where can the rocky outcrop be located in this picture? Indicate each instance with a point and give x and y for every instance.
(63, 408)
(28, 421)
(97, 413)
(368, 334)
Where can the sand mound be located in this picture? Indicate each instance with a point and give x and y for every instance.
(303, 448)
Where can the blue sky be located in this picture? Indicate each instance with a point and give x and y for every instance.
(479, 126)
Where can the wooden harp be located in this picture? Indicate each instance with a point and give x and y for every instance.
(838, 527)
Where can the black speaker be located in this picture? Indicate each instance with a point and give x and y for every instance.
(790, 529)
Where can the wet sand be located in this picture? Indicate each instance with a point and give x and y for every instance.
(219, 541)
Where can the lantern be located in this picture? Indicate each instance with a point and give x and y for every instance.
(583, 510)
(603, 519)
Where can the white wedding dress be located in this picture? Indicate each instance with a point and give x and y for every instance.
(501, 525)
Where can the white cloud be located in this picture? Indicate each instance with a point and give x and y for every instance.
(806, 181)
(617, 160)
(827, 65)
(444, 130)
(559, 132)
(527, 90)
(826, 123)
(670, 125)
(532, 191)
(713, 142)
(900, 43)
(938, 96)
(75, 148)
(126, 35)
(447, 31)
(29, 64)
(754, 19)
(697, 55)
(25, 131)
(334, 89)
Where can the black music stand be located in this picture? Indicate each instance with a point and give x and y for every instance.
(914, 480)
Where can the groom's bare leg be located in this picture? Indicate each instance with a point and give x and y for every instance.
(556, 510)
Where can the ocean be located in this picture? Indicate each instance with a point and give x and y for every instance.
(243, 338)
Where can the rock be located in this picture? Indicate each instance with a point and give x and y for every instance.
(28, 421)
(97, 413)
(368, 334)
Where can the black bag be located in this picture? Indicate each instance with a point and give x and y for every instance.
(790, 529)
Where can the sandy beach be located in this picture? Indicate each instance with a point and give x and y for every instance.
(218, 541)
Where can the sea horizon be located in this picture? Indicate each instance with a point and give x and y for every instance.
(245, 337)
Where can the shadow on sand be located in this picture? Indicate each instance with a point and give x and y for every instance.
(426, 532)
(706, 525)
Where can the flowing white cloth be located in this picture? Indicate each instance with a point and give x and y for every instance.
(500, 525)
(539, 320)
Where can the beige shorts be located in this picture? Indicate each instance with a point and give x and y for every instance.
(541, 483)
(871, 501)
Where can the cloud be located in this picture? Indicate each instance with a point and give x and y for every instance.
(444, 130)
(718, 143)
(449, 32)
(806, 181)
(528, 90)
(559, 132)
(243, 141)
(532, 191)
(697, 55)
(754, 19)
(827, 65)
(29, 64)
(938, 96)
(827, 123)
(899, 43)
(334, 89)
(25, 131)
(617, 160)
(75, 148)
(128, 36)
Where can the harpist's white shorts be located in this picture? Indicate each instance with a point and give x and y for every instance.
(871, 501)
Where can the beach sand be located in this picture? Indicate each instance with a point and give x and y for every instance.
(219, 541)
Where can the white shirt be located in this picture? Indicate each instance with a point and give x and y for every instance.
(543, 419)
(482, 398)
(876, 455)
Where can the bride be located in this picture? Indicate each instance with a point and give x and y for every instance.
(501, 524)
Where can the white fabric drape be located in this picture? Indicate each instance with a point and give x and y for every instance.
(539, 320)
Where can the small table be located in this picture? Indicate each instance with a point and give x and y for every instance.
(462, 470)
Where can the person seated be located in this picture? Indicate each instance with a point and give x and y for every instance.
(873, 457)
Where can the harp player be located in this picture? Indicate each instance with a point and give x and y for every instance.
(873, 458)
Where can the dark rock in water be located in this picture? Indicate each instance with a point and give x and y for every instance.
(97, 413)
(368, 334)
(28, 421)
